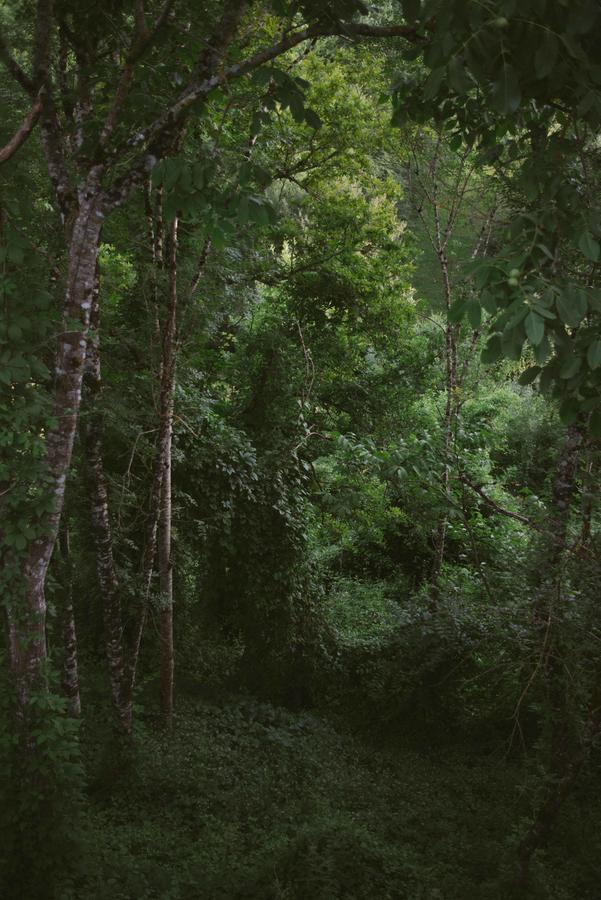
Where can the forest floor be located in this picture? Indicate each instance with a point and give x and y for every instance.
(250, 800)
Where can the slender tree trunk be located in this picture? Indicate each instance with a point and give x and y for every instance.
(166, 586)
(159, 516)
(450, 405)
(587, 500)
(70, 674)
(101, 522)
(447, 430)
(564, 486)
(548, 612)
(70, 679)
(27, 616)
(565, 780)
(165, 443)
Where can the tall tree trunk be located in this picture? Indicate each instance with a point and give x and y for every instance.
(101, 523)
(27, 616)
(166, 586)
(165, 443)
(548, 612)
(70, 674)
(447, 431)
(158, 529)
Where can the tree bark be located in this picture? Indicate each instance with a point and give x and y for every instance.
(165, 444)
(70, 674)
(101, 522)
(27, 617)
(564, 765)
(158, 529)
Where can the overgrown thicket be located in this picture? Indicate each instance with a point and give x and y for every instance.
(299, 449)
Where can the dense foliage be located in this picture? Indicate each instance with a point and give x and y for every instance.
(299, 449)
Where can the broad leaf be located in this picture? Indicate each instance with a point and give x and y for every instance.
(529, 375)
(568, 411)
(571, 306)
(589, 246)
(535, 328)
(593, 356)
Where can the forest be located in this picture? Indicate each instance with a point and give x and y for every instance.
(300, 445)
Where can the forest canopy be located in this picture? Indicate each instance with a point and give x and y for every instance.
(300, 412)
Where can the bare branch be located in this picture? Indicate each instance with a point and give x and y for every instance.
(500, 509)
(20, 76)
(200, 267)
(22, 132)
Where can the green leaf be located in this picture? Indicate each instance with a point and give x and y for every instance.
(512, 341)
(589, 246)
(542, 311)
(506, 92)
(198, 176)
(457, 311)
(593, 356)
(529, 375)
(516, 313)
(312, 119)
(158, 174)
(568, 411)
(243, 211)
(542, 351)
(257, 212)
(458, 78)
(493, 350)
(535, 328)
(488, 302)
(297, 106)
(572, 306)
(570, 367)
(433, 82)
(172, 171)
(546, 55)
(474, 313)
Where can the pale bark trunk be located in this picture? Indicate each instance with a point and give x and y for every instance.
(27, 624)
(166, 587)
(156, 516)
(70, 679)
(165, 442)
(101, 523)
(70, 673)
(450, 407)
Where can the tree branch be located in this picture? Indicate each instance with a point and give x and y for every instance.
(22, 132)
(154, 136)
(20, 76)
(42, 42)
(500, 509)
(143, 40)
